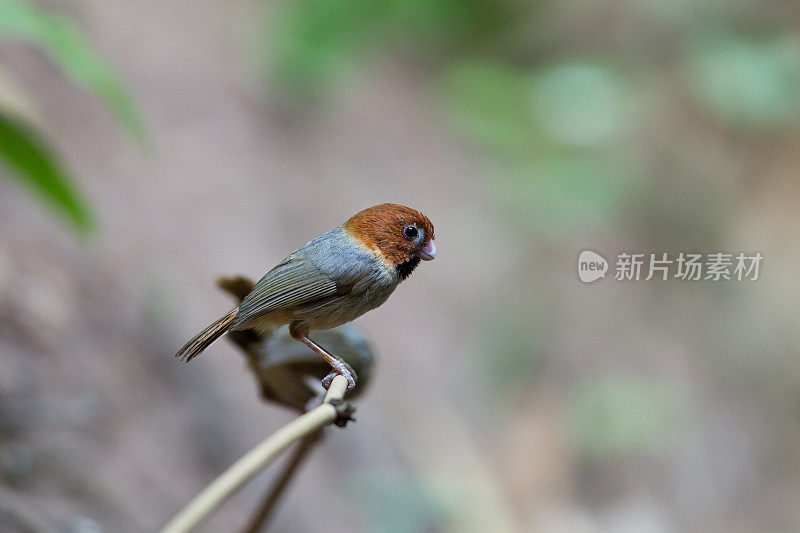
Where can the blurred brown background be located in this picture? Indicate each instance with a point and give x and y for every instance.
(528, 132)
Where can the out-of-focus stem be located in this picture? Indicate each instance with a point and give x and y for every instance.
(256, 459)
(267, 506)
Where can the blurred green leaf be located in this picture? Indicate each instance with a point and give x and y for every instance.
(316, 41)
(63, 42)
(619, 416)
(580, 103)
(560, 189)
(515, 340)
(530, 122)
(512, 110)
(488, 104)
(398, 502)
(697, 15)
(748, 83)
(320, 43)
(437, 25)
(23, 151)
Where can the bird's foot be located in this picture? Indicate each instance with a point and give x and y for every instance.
(339, 365)
(342, 369)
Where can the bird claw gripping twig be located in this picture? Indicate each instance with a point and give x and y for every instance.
(341, 367)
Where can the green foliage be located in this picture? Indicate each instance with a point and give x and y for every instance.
(515, 338)
(510, 109)
(488, 103)
(318, 43)
(746, 83)
(22, 147)
(622, 416)
(557, 130)
(540, 125)
(581, 104)
(396, 502)
(23, 151)
(65, 45)
(554, 133)
(559, 190)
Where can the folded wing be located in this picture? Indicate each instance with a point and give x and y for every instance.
(295, 282)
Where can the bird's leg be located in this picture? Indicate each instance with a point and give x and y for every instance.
(339, 365)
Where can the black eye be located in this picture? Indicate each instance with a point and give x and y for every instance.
(410, 232)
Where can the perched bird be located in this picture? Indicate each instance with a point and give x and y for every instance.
(282, 366)
(330, 281)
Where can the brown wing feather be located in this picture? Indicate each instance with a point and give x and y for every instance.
(294, 282)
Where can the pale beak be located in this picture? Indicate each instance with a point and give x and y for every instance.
(427, 252)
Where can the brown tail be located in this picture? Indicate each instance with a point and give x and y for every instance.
(203, 340)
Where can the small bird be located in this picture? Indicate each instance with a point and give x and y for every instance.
(330, 281)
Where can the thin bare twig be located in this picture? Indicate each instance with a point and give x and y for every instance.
(264, 511)
(332, 410)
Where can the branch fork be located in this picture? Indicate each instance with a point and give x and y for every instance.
(333, 410)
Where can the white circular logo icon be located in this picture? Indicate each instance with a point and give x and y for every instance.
(591, 266)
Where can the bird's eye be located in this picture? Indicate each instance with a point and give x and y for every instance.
(410, 232)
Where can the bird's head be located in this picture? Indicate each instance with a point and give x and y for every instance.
(398, 235)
